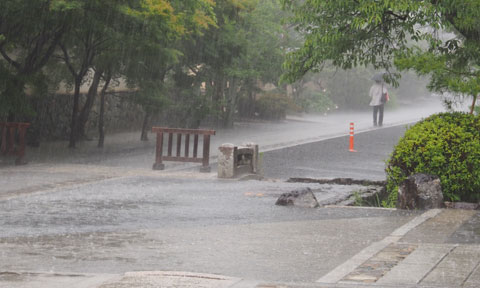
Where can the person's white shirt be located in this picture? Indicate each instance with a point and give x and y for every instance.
(376, 93)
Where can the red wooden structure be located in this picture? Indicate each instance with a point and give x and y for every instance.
(159, 157)
(11, 130)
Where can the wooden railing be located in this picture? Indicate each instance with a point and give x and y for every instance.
(10, 131)
(159, 157)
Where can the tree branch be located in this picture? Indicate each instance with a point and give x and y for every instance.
(8, 58)
(401, 17)
(66, 58)
(51, 49)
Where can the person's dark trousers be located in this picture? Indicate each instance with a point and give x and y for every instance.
(376, 110)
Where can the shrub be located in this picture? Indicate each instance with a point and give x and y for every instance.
(273, 106)
(446, 145)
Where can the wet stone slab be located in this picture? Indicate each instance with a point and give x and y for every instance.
(171, 279)
(438, 229)
(417, 265)
(474, 279)
(377, 266)
(468, 233)
(456, 268)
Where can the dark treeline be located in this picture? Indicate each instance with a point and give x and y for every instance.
(197, 59)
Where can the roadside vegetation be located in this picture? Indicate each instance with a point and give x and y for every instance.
(446, 145)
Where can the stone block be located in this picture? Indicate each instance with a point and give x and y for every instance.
(420, 191)
(226, 161)
(301, 198)
(234, 160)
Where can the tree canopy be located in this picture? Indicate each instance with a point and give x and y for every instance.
(387, 34)
(196, 56)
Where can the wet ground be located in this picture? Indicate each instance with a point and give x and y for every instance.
(332, 159)
(87, 219)
(130, 203)
(132, 222)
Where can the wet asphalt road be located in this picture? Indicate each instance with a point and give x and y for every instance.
(332, 158)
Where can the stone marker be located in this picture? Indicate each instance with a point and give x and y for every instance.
(226, 161)
(254, 148)
(420, 191)
(235, 161)
(301, 198)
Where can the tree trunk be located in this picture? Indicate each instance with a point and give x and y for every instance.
(251, 100)
(14, 98)
(230, 104)
(101, 119)
(87, 107)
(73, 125)
(218, 97)
(146, 120)
(472, 109)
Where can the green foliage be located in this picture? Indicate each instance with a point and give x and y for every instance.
(245, 48)
(361, 33)
(30, 31)
(273, 106)
(446, 145)
(314, 101)
(352, 33)
(477, 110)
(64, 5)
(151, 96)
(190, 108)
(348, 89)
(369, 201)
(265, 42)
(226, 47)
(358, 200)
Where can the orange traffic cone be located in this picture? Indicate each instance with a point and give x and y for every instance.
(351, 139)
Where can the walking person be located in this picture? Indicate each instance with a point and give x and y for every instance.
(379, 96)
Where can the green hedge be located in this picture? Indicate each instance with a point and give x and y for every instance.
(446, 145)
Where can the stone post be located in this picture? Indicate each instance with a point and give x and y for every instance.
(226, 161)
(253, 146)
